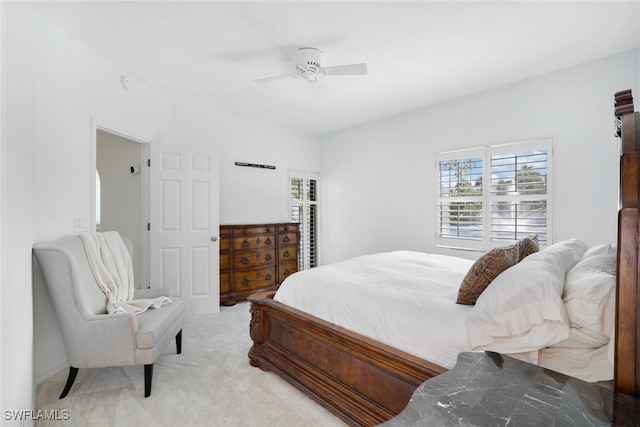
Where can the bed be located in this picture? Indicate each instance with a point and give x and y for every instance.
(366, 381)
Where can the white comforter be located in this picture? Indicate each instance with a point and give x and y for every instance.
(403, 299)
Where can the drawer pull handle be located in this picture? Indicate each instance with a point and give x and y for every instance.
(286, 239)
(246, 281)
(244, 260)
(245, 243)
(287, 272)
(258, 274)
(258, 241)
(268, 241)
(268, 277)
(286, 254)
(257, 255)
(268, 257)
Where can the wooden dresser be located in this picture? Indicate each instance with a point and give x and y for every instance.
(256, 257)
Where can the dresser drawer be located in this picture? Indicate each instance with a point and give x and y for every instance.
(286, 269)
(252, 259)
(225, 282)
(224, 260)
(287, 253)
(254, 279)
(243, 231)
(225, 243)
(254, 242)
(283, 228)
(288, 239)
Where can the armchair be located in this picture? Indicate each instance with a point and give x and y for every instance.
(92, 338)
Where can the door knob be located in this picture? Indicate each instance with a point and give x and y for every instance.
(214, 238)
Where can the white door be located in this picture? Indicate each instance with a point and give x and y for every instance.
(184, 224)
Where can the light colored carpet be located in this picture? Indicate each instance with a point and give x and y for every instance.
(210, 384)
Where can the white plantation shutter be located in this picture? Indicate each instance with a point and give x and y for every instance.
(495, 195)
(461, 201)
(304, 209)
(519, 194)
(311, 225)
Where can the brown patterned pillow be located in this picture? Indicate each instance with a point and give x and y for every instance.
(484, 270)
(527, 246)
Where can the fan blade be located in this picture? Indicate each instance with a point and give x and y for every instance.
(345, 70)
(295, 56)
(269, 79)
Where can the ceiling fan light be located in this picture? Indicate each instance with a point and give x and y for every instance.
(309, 75)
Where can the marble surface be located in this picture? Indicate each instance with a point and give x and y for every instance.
(488, 389)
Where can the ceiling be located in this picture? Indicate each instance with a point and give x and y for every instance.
(418, 53)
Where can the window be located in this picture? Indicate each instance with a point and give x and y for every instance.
(493, 196)
(304, 209)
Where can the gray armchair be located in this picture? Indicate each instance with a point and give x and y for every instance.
(92, 338)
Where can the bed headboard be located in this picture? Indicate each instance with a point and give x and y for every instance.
(627, 353)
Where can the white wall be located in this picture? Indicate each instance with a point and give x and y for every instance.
(378, 179)
(251, 195)
(17, 207)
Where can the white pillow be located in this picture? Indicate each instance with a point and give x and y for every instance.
(590, 291)
(522, 309)
(588, 365)
(577, 247)
(584, 339)
(605, 249)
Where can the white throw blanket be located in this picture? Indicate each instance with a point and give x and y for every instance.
(111, 265)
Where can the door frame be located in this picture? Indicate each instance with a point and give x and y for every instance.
(96, 124)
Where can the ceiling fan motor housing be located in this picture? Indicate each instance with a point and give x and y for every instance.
(313, 57)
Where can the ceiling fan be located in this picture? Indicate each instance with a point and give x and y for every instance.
(308, 63)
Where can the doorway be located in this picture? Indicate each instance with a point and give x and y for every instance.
(120, 194)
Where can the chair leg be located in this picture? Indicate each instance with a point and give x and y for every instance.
(148, 377)
(179, 342)
(148, 369)
(70, 379)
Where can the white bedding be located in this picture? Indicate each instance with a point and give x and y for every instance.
(403, 299)
(407, 300)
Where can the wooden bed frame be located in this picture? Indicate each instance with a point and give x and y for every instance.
(365, 382)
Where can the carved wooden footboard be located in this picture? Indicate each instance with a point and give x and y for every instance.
(360, 380)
